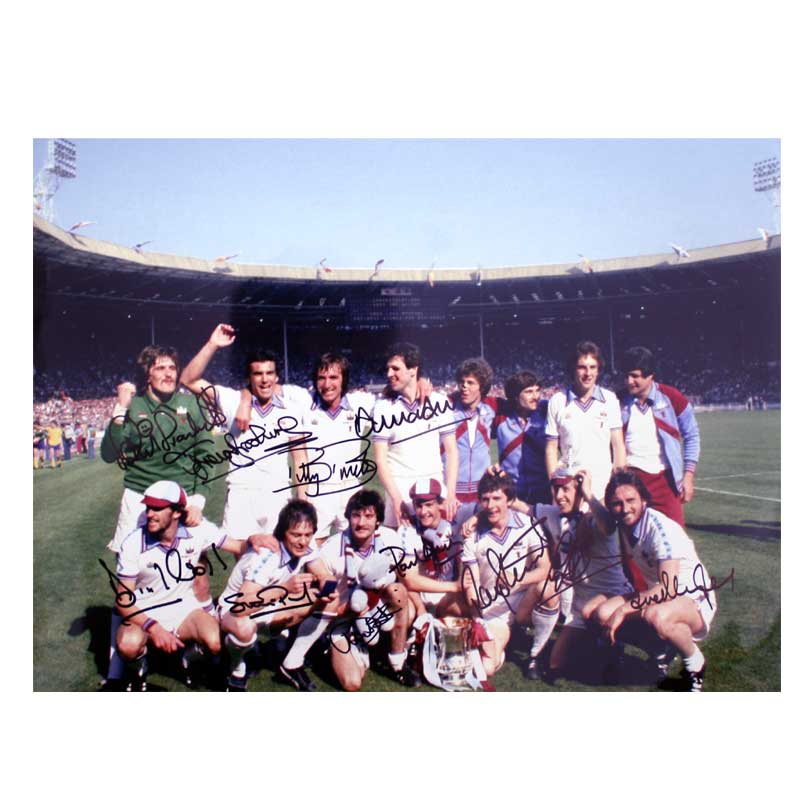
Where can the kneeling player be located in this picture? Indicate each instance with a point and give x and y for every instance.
(272, 588)
(505, 568)
(155, 567)
(676, 603)
(371, 600)
(589, 562)
(430, 563)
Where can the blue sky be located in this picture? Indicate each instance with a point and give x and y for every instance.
(458, 202)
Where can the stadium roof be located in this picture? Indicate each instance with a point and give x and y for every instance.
(52, 242)
(72, 266)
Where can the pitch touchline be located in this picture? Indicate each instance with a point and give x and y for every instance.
(740, 475)
(737, 494)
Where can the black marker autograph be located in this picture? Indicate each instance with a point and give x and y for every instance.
(315, 472)
(159, 435)
(497, 563)
(236, 454)
(282, 601)
(426, 411)
(665, 591)
(346, 628)
(127, 598)
(403, 562)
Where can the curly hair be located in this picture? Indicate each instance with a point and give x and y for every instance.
(147, 359)
(479, 369)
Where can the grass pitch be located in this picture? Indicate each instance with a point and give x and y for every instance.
(734, 521)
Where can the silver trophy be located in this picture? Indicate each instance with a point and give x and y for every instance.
(453, 664)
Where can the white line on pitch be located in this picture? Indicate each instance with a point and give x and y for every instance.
(737, 494)
(740, 475)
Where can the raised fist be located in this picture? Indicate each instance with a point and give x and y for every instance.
(125, 393)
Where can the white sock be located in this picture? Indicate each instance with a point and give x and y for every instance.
(116, 664)
(397, 660)
(543, 621)
(695, 662)
(311, 628)
(237, 650)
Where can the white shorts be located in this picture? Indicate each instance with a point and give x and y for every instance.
(575, 617)
(504, 609)
(431, 600)
(132, 515)
(249, 511)
(707, 609)
(172, 617)
(330, 511)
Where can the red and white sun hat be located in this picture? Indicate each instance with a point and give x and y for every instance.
(163, 494)
(564, 474)
(427, 489)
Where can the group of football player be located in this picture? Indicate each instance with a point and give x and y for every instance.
(578, 519)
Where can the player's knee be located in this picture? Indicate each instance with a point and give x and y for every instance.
(130, 643)
(395, 596)
(211, 640)
(351, 682)
(657, 618)
(243, 628)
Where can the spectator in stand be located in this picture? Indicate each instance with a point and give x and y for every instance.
(662, 440)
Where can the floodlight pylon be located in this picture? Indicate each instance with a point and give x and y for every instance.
(62, 155)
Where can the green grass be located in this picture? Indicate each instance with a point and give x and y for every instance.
(75, 511)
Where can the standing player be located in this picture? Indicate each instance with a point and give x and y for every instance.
(155, 565)
(350, 558)
(474, 413)
(256, 469)
(656, 420)
(330, 415)
(270, 588)
(677, 603)
(583, 421)
(407, 435)
(521, 439)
